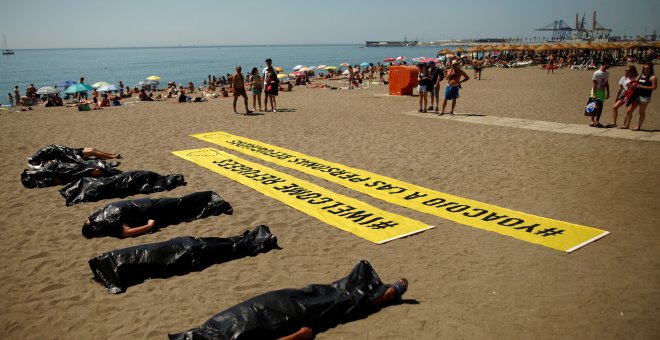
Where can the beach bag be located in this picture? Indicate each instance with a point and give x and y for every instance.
(592, 107)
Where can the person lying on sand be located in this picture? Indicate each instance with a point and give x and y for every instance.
(293, 314)
(135, 217)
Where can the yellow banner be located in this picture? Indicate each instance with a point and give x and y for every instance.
(337, 210)
(535, 229)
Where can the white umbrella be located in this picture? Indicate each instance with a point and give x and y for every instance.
(297, 67)
(345, 64)
(47, 90)
(106, 88)
(320, 67)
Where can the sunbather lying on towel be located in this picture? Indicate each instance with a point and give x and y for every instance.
(135, 217)
(122, 268)
(298, 313)
(90, 189)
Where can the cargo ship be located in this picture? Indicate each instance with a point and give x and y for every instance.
(405, 42)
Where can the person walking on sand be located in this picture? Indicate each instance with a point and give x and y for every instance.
(624, 85)
(600, 89)
(454, 82)
(646, 84)
(238, 84)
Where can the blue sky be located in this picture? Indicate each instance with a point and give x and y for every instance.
(121, 23)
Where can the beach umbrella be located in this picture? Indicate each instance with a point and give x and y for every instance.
(156, 78)
(364, 64)
(48, 90)
(99, 84)
(307, 68)
(66, 84)
(278, 69)
(297, 67)
(282, 76)
(330, 68)
(78, 88)
(109, 87)
(460, 50)
(345, 64)
(322, 66)
(146, 82)
(445, 51)
(400, 58)
(387, 60)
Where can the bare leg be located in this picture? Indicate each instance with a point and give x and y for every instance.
(453, 105)
(91, 152)
(303, 334)
(235, 99)
(444, 104)
(626, 123)
(615, 110)
(642, 115)
(245, 100)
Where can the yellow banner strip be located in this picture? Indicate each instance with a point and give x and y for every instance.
(337, 210)
(535, 229)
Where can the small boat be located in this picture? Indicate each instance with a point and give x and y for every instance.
(5, 51)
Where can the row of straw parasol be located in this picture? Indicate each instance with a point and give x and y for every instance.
(557, 46)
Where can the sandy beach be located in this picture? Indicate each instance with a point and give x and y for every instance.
(465, 283)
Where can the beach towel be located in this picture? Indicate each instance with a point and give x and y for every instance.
(119, 269)
(282, 312)
(89, 189)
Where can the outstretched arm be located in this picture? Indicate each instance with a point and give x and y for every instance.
(131, 232)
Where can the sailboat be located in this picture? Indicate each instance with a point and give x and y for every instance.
(5, 51)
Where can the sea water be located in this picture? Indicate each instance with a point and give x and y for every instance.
(49, 67)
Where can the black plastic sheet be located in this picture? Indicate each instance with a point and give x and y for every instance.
(54, 152)
(120, 269)
(110, 220)
(55, 172)
(283, 312)
(89, 189)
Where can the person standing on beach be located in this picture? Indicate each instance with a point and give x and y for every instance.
(624, 84)
(477, 68)
(646, 84)
(454, 82)
(17, 95)
(600, 89)
(437, 75)
(238, 84)
(423, 80)
(256, 88)
(269, 64)
(272, 87)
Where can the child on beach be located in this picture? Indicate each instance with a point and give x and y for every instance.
(11, 99)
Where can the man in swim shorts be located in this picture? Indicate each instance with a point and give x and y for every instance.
(238, 84)
(454, 82)
(600, 89)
